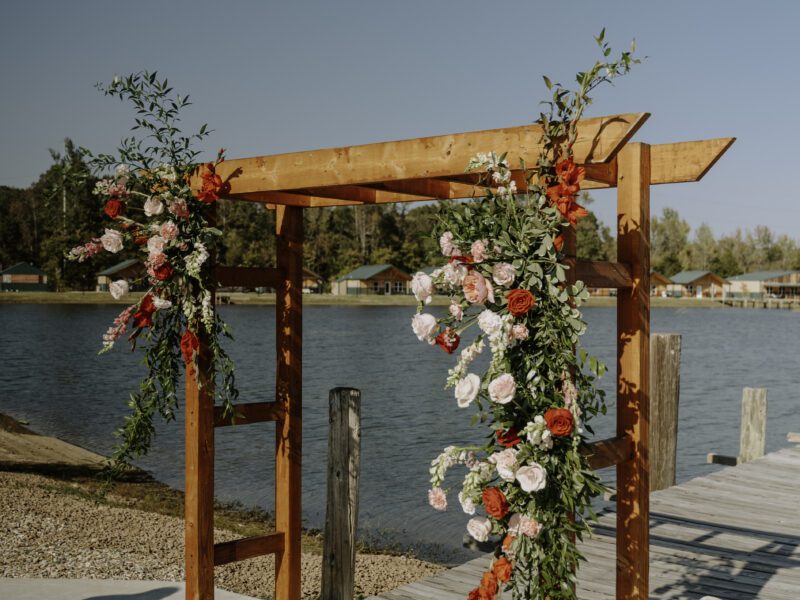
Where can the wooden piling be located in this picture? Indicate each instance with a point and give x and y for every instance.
(344, 461)
(665, 382)
(753, 437)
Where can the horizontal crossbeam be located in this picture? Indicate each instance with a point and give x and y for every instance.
(603, 274)
(249, 277)
(608, 452)
(250, 547)
(245, 414)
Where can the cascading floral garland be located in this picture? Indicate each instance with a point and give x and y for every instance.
(151, 207)
(538, 394)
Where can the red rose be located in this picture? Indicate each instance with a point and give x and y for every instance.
(163, 272)
(520, 302)
(114, 208)
(144, 316)
(474, 594)
(509, 439)
(559, 421)
(502, 569)
(448, 340)
(495, 503)
(488, 585)
(189, 345)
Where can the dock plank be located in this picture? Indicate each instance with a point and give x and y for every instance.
(732, 534)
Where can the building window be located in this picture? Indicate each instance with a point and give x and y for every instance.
(399, 287)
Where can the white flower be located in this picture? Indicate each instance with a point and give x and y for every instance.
(112, 241)
(454, 274)
(502, 389)
(456, 311)
(467, 505)
(467, 390)
(479, 250)
(424, 326)
(538, 434)
(532, 478)
(153, 206)
(490, 322)
(155, 245)
(118, 288)
(506, 463)
(161, 303)
(447, 245)
(422, 286)
(437, 498)
(479, 528)
(503, 274)
(519, 332)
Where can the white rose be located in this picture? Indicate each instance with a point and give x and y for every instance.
(422, 286)
(155, 245)
(532, 478)
(454, 273)
(490, 322)
(519, 332)
(506, 463)
(503, 274)
(479, 250)
(467, 390)
(467, 505)
(112, 241)
(161, 303)
(118, 288)
(479, 528)
(153, 206)
(502, 389)
(424, 326)
(447, 245)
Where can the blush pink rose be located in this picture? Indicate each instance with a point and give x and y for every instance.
(437, 499)
(169, 231)
(475, 288)
(479, 250)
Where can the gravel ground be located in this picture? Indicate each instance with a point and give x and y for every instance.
(46, 532)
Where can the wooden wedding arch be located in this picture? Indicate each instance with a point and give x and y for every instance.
(432, 168)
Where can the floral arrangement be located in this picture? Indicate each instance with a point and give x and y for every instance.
(504, 273)
(152, 211)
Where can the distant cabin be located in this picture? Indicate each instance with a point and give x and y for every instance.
(23, 277)
(372, 279)
(658, 284)
(765, 284)
(130, 270)
(312, 283)
(696, 284)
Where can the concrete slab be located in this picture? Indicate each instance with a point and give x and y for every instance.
(98, 589)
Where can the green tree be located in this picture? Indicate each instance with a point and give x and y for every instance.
(669, 237)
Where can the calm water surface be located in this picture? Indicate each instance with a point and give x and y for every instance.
(52, 377)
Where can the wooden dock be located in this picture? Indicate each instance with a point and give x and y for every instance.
(732, 535)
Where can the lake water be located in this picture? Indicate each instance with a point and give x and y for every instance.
(51, 377)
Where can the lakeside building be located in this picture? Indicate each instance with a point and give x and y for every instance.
(23, 277)
(372, 279)
(130, 270)
(697, 284)
(312, 283)
(764, 284)
(659, 284)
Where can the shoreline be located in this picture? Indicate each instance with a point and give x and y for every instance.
(253, 299)
(63, 521)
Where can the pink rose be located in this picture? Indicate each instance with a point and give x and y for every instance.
(502, 389)
(522, 525)
(479, 251)
(532, 478)
(519, 332)
(447, 245)
(456, 311)
(437, 499)
(178, 208)
(169, 231)
(475, 286)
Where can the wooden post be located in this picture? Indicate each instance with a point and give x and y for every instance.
(633, 385)
(289, 385)
(199, 497)
(341, 519)
(665, 382)
(753, 437)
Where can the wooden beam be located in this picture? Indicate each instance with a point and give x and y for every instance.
(603, 274)
(608, 452)
(431, 188)
(686, 161)
(361, 194)
(633, 372)
(250, 547)
(250, 277)
(598, 140)
(289, 386)
(250, 412)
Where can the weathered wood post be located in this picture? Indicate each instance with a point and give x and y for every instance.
(753, 437)
(341, 519)
(665, 383)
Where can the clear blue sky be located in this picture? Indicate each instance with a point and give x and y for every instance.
(280, 76)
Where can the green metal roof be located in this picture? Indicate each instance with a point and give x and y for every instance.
(119, 267)
(687, 277)
(760, 275)
(23, 268)
(365, 272)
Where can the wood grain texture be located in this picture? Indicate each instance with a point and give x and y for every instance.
(665, 383)
(753, 435)
(599, 139)
(247, 413)
(608, 452)
(289, 386)
(341, 518)
(633, 366)
(250, 547)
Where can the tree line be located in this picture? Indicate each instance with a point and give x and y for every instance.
(59, 211)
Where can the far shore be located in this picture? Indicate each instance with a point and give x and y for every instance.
(247, 299)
